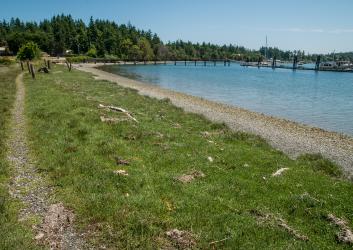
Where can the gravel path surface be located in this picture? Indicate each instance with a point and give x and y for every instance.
(54, 228)
(290, 137)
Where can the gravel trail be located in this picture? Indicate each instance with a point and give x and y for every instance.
(54, 228)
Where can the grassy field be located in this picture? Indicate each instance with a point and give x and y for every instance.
(237, 202)
(13, 235)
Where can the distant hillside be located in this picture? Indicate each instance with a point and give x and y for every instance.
(102, 38)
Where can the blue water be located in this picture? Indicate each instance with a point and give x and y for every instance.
(320, 99)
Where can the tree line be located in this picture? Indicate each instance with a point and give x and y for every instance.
(63, 35)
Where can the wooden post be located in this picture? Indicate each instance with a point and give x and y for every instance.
(317, 64)
(295, 62)
(29, 69)
(32, 71)
(21, 65)
(174, 63)
(274, 62)
(214, 63)
(68, 65)
(228, 63)
(195, 63)
(185, 62)
(225, 63)
(204, 63)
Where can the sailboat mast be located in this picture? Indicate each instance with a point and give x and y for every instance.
(266, 49)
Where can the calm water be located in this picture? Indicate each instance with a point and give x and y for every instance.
(323, 99)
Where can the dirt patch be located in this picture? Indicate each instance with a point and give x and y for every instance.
(121, 161)
(186, 178)
(279, 222)
(56, 228)
(345, 235)
(182, 239)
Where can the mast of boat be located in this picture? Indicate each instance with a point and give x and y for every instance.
(266, 50)
(333, 55)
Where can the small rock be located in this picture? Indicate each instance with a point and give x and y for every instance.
(205, 134)
(39, 236)
(210, 159)
(186, 178)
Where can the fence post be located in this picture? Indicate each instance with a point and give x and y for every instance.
(33, 71)
(29, 69)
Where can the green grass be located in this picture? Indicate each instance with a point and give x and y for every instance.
(78, 152)
(13, 235)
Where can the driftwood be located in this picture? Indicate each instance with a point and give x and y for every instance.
(68, 64)
(274, 220)
(118, 109)
(43, 69)
(279, 172)
(346, 234)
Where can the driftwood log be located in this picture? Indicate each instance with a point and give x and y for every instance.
(118, 109)
(69, 65)
(43, 69)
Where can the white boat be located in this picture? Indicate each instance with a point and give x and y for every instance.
(338, 66)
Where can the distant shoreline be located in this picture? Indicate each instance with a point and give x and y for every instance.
(290, 137)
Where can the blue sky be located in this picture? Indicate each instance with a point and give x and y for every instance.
(311, 25)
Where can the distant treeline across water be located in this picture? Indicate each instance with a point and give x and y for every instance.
(102, 38)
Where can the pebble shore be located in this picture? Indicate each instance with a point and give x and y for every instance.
(290, 137)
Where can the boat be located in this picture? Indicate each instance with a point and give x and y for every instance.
(336, 66)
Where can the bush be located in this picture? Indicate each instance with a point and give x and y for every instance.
(92, 52)
(29, 51)
(78, 59)
(5, 60)
(111, 57)
(319, 163)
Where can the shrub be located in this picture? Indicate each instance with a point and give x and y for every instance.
(29, 51)
(5, 60)
(78, 59)
(319, 163)
(92, 52)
